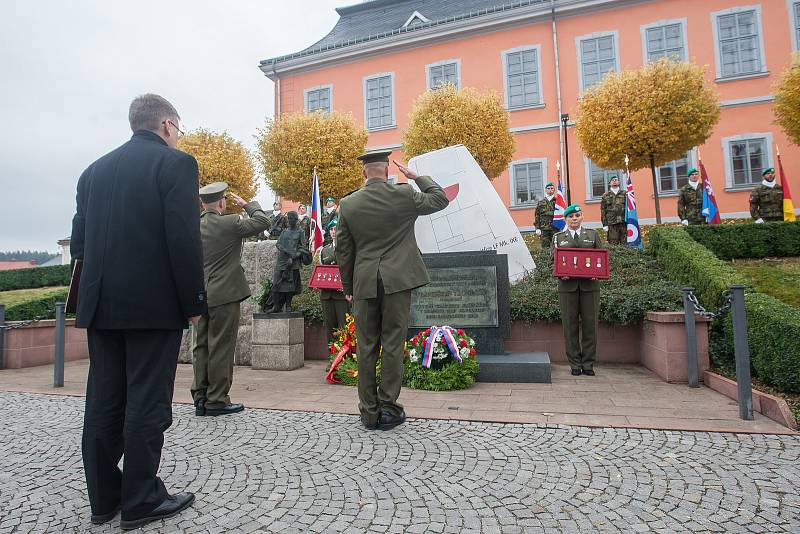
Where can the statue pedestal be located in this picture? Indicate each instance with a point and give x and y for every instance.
(277, 341)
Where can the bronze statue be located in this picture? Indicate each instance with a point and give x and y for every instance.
(292, 252)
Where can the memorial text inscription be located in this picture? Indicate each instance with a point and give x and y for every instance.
(458, 297)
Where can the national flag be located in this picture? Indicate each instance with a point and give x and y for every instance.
(316, 239)
(709, 209)
(561, 205)
(634, 238)
(788, 206)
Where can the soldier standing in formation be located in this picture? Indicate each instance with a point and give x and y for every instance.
(380, 264)
(766, 200)
(330, 213)
(277, 220)
(690, 201)
(579, 298)
(612, 213)
(334, 305)
(303, 220)
(226, 287)
(543, 219)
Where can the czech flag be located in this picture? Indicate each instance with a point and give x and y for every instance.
(631, 217)
(316, 240)
(709, 209)
(561, 205)
(788, 206)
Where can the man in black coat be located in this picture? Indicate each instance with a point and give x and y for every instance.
(137, 231)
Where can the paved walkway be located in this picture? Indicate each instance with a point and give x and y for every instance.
(619, 396)
(290, 471)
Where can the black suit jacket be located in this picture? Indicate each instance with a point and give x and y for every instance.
(137, 230)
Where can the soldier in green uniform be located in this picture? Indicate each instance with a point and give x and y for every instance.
(226, 286)
(766, 200)
(304, 221)
(579, 298)
(612, 213)
(380, 264)
(543, 218)
(329, 214)
(277, 220)
(334, 305)
(690, 201)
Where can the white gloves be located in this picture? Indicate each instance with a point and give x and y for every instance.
(685, 222)
(759, 220)
(605, 228)
(538, 232)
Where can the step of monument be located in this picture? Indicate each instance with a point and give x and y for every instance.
(530, 367)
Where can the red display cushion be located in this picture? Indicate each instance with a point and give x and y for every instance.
(581, 263)
(325, 277)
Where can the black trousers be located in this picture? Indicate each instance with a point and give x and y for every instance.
(128, 408)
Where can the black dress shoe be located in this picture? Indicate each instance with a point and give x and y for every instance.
(588, 372)
(230, 408)
(200, 407)
(576, 372)
(388, 421)
(373, 425)
(99, 519)
(172, 505)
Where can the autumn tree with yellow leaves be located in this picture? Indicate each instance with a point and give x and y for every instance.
(221, 158)
(787, 101)
(290, 148)
(448, 116)
(654, 115)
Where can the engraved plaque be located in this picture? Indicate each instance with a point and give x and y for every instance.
(460, 297)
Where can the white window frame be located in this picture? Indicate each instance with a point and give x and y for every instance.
(429, 66)
(691, 163)
(504, 61)
(329, 87)
(512, 181)
(762, 53)
(657, 24)
(791, 5)
(579, 52)
(587, 169)
(364, 89)
(726, 151)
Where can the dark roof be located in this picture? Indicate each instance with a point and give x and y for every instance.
(379, 19)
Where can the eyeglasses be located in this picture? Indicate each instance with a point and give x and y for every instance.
(181, 133)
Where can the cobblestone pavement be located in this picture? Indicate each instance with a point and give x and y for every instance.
(272, 471)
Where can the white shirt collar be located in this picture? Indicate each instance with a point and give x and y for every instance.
(694, 185)
(276, 213)
(549, 197)
(614, 190)
(768, 184)
(575, 232)
(329, 210)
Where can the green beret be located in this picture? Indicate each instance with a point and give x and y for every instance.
(767, 171)
(330, 199)
(333, 224)
(213, 192)
(550, 184)
(572, 208)
(692, 171)
(613, 177)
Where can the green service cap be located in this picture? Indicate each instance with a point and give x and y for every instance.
(375, 157)
(550, 184)
(572, 208)
(771, 169)
(213, 192)
(692, 171)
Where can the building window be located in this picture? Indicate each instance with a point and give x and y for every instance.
(598, 179)
(318, 98)
(444, 72)
(521, 68)
(748, 157)
(738, 43)
(598, 56)
(795, 17)
(665, 40)
(527, 182)
(378, 102)
(673, 175)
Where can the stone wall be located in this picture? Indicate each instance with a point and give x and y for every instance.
(258, 261)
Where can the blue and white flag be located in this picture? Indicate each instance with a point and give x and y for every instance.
(634, 237)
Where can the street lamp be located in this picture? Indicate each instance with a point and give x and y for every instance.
(564, 121)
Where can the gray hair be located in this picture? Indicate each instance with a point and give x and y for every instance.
(148, 111)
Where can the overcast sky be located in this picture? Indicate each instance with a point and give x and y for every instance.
(71, 68)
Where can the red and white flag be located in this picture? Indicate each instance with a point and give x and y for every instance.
(316, 239)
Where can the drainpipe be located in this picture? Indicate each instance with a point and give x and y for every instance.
(277, 94)
(562, 125)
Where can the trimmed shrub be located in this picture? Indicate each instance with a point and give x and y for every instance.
(44, 306)
(728, 241)
(56, 275)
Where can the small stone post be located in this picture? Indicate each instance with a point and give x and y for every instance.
(277, 341)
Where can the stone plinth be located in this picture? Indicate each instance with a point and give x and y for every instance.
(277, 341)
(34, 344)
(664, 348)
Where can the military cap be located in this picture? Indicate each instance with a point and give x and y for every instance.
(692, 171)
(549, 184)
(330, 199)
(213, 192)
(333, 224)
(572, 208)
(766, 171)
(613, 177)
(375, 157)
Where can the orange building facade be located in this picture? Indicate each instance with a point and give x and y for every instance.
(539, 56)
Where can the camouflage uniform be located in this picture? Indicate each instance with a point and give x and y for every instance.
(690, 204)
(767, 203)
(612, 214)
(277, 224)
(326, 220)
(543, 220)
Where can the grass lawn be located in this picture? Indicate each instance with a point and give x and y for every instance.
(11, 298)
(777, 277)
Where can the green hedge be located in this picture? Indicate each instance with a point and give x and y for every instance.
(57, 275)
(728, 241)
(44, 306)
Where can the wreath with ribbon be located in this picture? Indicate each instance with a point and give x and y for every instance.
(437, 344)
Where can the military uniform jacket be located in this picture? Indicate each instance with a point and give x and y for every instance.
(328, 217)
(543, 219)
(690, 204)
(587, 238)
(612, 207)
(375, 236)
(328, 257)
(222, 252)
(766, 202)
(277, 223)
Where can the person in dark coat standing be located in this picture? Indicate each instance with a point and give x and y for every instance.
(334, 305)
(137, 231)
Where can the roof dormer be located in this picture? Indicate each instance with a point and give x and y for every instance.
(416, 18)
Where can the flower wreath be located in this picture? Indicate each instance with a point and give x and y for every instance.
(437, 343)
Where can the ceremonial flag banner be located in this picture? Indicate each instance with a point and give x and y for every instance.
(561, 205)
(710, 209)
(788, 206)
(631, 217)
(316, 216)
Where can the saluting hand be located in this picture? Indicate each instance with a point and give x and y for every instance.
(411, 175)
(239, 201)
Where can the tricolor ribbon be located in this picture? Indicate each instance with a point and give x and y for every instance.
(446, 333)
(336, 361)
